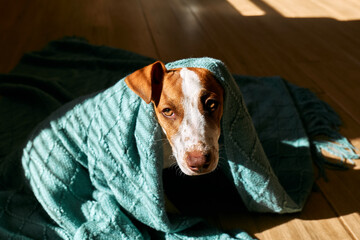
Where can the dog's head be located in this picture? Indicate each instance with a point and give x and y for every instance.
(188, 103)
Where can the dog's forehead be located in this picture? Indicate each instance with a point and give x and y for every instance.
(191, 82)
(195, 77)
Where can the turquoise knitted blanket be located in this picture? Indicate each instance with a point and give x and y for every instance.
(93, 168)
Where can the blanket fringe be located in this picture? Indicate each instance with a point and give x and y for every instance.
(322, 125)
(339, 147)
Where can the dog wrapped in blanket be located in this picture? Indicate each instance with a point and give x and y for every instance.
(96, 164)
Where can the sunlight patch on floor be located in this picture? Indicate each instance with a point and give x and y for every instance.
(296, 229)
(334, 9)
(246, 8)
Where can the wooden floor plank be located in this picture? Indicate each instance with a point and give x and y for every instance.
(317, 221)
(13, 36)
(130, 31)
(221, 33)
(343, 201)
(343, 86)
(101, 22)
(176, 31)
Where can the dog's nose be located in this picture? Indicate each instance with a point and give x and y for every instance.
(197, 161)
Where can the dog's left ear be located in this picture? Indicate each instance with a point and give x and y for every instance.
(147, 82)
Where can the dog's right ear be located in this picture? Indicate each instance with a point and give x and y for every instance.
(147, 82)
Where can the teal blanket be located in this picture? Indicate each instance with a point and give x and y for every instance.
(93, 168)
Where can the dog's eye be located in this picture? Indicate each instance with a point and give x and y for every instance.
(167, 112)
(211, 105)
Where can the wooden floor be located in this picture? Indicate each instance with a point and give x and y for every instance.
(315, 44)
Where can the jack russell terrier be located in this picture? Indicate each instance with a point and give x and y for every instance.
(188, 103)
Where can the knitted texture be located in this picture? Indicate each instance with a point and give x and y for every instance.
(94, 166)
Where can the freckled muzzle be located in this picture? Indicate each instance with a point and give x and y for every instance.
(196, 157)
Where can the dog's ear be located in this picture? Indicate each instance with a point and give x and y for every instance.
(147, 82)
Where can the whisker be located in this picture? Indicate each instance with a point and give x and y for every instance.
(161, 139)
(173, 165)
(178, 171)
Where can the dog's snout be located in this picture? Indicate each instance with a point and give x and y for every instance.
(198, 161)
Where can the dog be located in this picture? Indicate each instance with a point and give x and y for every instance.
(188, 104)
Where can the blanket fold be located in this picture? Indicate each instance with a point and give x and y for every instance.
(93, 168)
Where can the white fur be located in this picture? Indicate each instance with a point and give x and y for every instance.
(193, 133)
